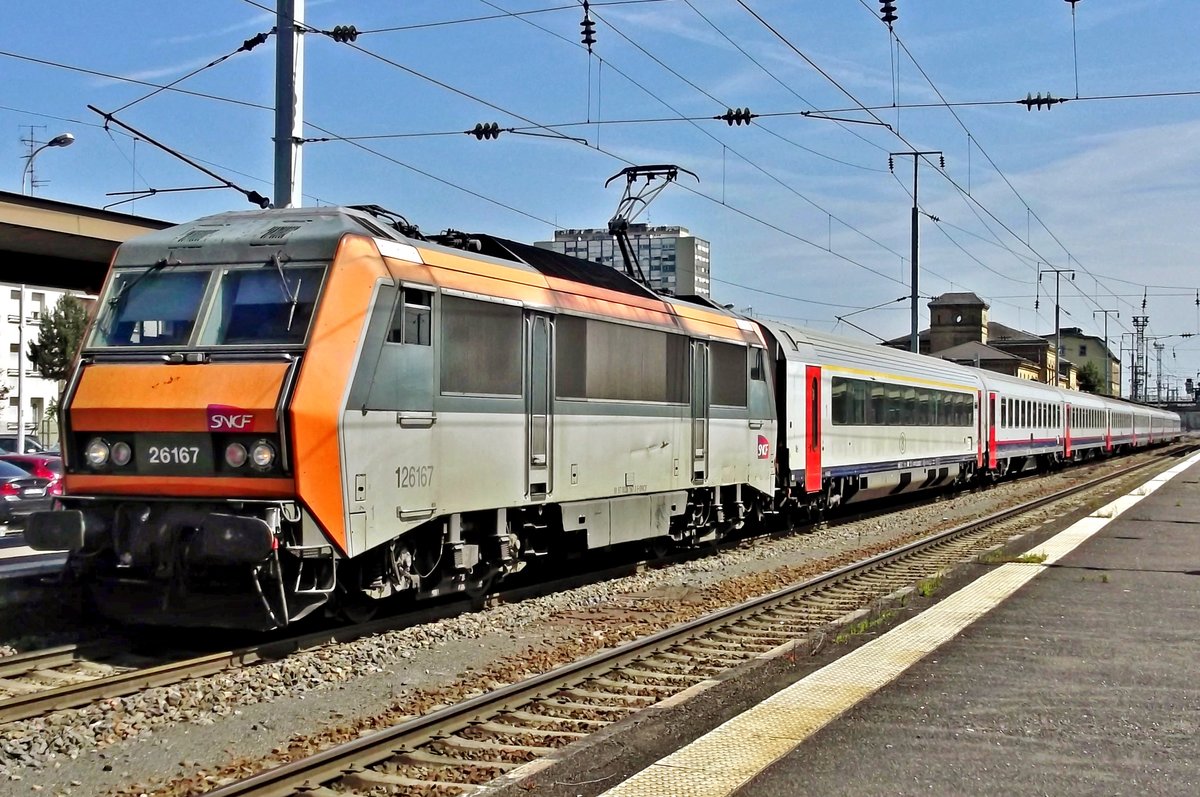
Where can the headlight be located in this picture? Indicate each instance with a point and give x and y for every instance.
(121, 454)
(235, 455)
(97, 453)
(262, 455)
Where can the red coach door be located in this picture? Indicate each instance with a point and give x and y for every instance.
(979, 429)
(1067, 438)
(991, 430)
(812, 452)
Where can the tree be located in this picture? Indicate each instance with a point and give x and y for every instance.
(60, 333)
(1091, 380)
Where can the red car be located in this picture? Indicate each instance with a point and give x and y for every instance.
(44, 466)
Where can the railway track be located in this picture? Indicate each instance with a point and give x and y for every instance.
(70, 676)
(456, 749)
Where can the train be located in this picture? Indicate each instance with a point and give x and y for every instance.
(290, 410)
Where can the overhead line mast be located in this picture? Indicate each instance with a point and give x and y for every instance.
(289, 102)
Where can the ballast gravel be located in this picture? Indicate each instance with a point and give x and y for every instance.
(189, 737)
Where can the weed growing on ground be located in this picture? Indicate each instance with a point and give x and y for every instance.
(1002, 558)
(863, 626)
(927, 586)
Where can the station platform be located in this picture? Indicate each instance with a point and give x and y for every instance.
(1079, 674)
(18, 560)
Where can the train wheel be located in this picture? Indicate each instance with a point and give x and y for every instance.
(478, 586)
(358, 609)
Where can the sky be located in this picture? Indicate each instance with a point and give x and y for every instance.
(807, 223)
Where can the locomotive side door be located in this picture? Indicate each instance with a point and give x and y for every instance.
(539, 331)
(699, 410)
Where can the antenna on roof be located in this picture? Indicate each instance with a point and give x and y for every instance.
(633, 203)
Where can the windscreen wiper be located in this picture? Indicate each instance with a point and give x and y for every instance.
(294, 296)
(127, 287)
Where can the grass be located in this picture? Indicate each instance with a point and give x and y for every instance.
(1002, 558)
(927, 586)
(863, 626)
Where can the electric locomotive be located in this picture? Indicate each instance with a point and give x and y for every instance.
(275, 411)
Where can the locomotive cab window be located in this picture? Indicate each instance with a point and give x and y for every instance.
(412, 319)
(157, 306)
(728, 374)
(263, 305)
(758, 366)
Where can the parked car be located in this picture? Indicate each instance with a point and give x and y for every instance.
(8, 444)
(44, 466)
(21, 493)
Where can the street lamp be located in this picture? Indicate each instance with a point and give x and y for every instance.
(61, 140)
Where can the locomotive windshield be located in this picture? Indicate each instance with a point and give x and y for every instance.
(175, 306)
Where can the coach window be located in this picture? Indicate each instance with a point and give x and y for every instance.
(848, 401)
(910, 406)
(877, 414)
(412, 319)
(839, 390)
(480, 347)
(923, 407)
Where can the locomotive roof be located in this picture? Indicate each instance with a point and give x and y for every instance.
(245, 236)
(555, 264)
(313, 234)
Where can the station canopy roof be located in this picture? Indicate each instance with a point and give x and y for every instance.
(60, 245)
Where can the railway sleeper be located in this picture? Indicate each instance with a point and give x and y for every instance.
(802, 609)
(492, 747)
(424, 758)
(563, 704)
(670, 659)
(633, 689)
(741, 642)
(753, 635)
(370, 779)
(492, 726)
(636, 701)
(725, 655)
(710, 646)
(61, 678)
(537, 720)
(19, 687)
(633, 672)
(762, 626)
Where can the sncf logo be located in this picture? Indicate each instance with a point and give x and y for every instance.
(222, 418)
(764, 448)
